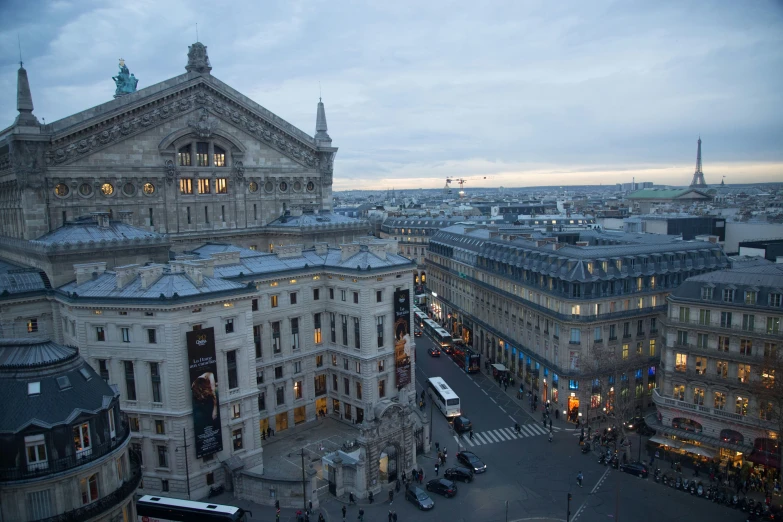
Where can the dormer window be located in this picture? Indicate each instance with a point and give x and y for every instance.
(706, 292)
(183, 156)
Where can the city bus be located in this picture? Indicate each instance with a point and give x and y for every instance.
(150, 508)
(438, 334)
(466, 358)
(443, 397)
(420, 318)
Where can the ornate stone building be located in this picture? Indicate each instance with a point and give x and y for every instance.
(189, 157)
(65, 442)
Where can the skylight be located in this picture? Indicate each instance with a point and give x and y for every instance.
(33, 388)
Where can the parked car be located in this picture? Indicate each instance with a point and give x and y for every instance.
(442, 486)
(462, 424)
(419, 498)
(459, 473)
(635, 468)
(434, 352)
(471, 460)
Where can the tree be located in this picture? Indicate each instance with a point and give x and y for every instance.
(611, 375)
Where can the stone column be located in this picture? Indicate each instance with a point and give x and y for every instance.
(338, 477)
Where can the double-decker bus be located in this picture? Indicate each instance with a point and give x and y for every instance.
(438, 334)
(150, 508)
(465, 358)
(443, 397)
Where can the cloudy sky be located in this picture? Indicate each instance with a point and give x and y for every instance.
(518, 93)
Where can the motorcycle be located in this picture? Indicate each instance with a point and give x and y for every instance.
(585, 448)
(685, 484)
(678, 483)
(665, 479)
(692, 488)
(657, 475)
(700, 490)
(602, 459)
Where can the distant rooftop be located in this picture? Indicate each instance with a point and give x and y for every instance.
(87, 229)
(314, 220)
(15, 279)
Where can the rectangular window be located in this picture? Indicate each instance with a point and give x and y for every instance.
(679, 392)
(381, 388)
(100, 335)
(298, 390)
(35, 448)
(682, 337)
(346, 386)
(773, 325)
(741, 406)
(236, 439)
(357, 336)
(125, 334)
(130, 381)
(160, 428)
(342, 295)
(378, 296)
(626, 329)
(379, 328)
(221, 186)
(203, 186)
(257, 340)
(725, 319)
(719, 400)
(331, 293)
(103, 369)
(319, 361)
(295, 333)
(261, 401)
(163, 457)
(231, 366)
(706, 292)
(254, 305)
(186, 185)
(653, 324)
(292, 298)
(775, 300)
(576, 335)
(152, 336)
(704, 317)
(743, 373)
(273, 301)
(155, 379)
(381, 365)
(319, 382)
(746, 346)
(681, 362)
(722, 369)
(685, 314)
(345, 363)
(597, 335)
(164, 485)
(259, 376)
(652, 347)
(82, 440)
(701, 365)
(297, 366)
(278, 372)
(276, 346)
(32, 325)
(728, 295)
(280, 392)
(206, 214)
(358, 387)
(344, 321)
(334, 383)
(750, 297)
(356, 297)
(229, 326)
(640, 327)
(625, 351)
(333, 329)
(134, 424)
(188, 213)
(702, 340)
(236, 410)
(612, 332)
(316, 294)
(723, 343)
(202, 154)
(748, 322)
(89, 489)
(698, 396)
(317, 329)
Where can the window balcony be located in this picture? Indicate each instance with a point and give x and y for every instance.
(70, 462)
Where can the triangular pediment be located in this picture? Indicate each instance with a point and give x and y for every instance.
(85, 133)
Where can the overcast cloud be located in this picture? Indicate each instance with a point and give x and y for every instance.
(522, 93)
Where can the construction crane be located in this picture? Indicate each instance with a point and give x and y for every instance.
(461, 183)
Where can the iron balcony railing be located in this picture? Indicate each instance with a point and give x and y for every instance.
(66, 463)
(106, 503)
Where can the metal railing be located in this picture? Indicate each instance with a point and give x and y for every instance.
(66, 463)
(714, 326)
(660, 400)
(111, 501)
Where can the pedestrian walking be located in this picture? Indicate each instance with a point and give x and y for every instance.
(550, 435)
(397, 486)
(436, 470)
(321, 517)
(344, 510)
(361, 515)
(471, 433)
(390, 515)
(550, 423)
(391, 496)
(394, 516)
(421, 476)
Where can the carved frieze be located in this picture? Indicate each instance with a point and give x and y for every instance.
(239, 170)
(27, 161)
(171, 171)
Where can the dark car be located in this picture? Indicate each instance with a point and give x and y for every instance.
(471, 460)
(443, 487)
(419, 497)
(448, 349)
(459, 473)
(434, 352)
(638, 425)
(462, 424)
(635, 468)
(416, 332)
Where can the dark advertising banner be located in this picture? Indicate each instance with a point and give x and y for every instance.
(403, 345)
(204, 387)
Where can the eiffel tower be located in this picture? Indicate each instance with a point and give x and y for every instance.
(698, 176)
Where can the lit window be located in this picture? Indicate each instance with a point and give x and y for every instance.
(32, 325)
(236, 437)
(183, 156)
(221, 186)
(186, 186)
(681, 362)
(202, 154)
(220, 157)
(203, 186)
(89, 489)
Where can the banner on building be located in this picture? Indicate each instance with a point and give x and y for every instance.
(202, 364)
(403, 343)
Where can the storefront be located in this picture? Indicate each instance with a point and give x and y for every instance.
(300, 415)
(281, 421)
(320, 405)
(572, 408)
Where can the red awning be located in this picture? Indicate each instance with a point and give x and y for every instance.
(764, 458)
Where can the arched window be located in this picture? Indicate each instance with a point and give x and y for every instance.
(202, 154)
(183, 156)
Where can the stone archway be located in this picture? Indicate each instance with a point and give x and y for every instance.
(388, 464)
(390, 444)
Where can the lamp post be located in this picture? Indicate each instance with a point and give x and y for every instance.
(187, 470)
(304, 493)
(568, 508)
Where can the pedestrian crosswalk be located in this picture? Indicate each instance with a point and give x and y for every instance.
(481, 438)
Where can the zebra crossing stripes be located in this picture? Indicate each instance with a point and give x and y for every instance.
(502, 435)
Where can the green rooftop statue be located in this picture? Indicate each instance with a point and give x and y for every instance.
(126, 83)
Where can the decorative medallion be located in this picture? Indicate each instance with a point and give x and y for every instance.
(148, 189)
(283, 186)
(85, 189)
(61, 190)
(204, 126)
(129, 189)
(310, 186)
(107, 189)
(252, 186)
(268, 186)
(297, 186)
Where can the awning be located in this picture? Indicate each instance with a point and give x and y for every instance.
(666, 442)
(500, 367)
(698, 450)
(764, 458)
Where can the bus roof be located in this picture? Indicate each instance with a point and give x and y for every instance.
(443, 388)
(190, 504)
(441, 331)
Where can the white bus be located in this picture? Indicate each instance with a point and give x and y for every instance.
(438, 334)
(443, 397)
(420, 318)
(151, 508)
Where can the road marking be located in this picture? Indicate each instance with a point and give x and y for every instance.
(485, 391)
(491, 436)
(501, 409)
(493, 400)
(457, 440)
(480, 440)
(525, 428)
(512, 418)
(592, 492)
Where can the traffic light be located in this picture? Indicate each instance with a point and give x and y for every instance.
(277, 504)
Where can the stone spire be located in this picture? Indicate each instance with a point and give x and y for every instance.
(321, 136)
(24, 99)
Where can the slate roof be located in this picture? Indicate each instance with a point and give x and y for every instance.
(766, 278)
(207, 249)
(15, 279)
(105, 286)
(87, 230)
(663, 193)
(315, 220)
(57, 403)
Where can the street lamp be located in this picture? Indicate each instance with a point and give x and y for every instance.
(185, 447)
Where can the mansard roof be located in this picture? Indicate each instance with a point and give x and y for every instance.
(762, 279)
(88, 230)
